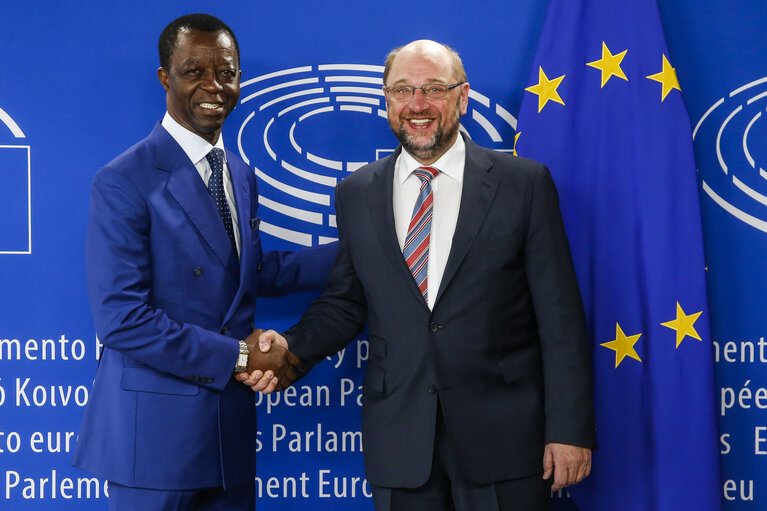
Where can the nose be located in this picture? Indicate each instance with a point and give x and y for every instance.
(210, 82)
(419, 101)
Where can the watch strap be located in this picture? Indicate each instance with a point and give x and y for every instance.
(242, 358)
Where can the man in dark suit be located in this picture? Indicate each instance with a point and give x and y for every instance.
(478, 388)
(174, 265)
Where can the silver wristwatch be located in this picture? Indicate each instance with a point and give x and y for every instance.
(242, 358)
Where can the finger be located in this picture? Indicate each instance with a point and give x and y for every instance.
(560, 479)
(254, 377)
(271, 386)
(263, 383)
(284, 383)
(260, 385)
(583, 471)
(293, 359)
(548, 463)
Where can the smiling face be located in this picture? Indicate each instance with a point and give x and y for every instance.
(426, 128)
(202, 85)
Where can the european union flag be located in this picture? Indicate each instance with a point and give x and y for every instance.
(604, 112)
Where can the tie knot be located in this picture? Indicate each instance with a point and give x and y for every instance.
(426, 173)
(215, 157)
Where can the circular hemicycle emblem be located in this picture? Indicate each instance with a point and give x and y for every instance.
(735, 129)
(303, 129)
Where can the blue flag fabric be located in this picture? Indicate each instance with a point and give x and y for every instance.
(604, 112)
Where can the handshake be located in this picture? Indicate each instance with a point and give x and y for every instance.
(271, 366)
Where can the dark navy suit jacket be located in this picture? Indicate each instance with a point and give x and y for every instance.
(170, 298)
(504, 349)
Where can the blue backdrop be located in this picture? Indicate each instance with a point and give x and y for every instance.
(79, 86)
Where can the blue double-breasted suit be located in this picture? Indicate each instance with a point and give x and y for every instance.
(170, 297)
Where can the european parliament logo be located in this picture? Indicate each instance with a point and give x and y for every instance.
(734, 129)
(15, 192)
(304, 129)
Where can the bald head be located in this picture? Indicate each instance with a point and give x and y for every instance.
(434, 52)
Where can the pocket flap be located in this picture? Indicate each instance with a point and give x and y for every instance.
(374, 378)
(145, 379)
(377, 347)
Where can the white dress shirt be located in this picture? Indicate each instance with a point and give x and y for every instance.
(446, 190)
(197, 148)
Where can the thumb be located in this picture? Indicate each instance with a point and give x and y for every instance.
(265, 340)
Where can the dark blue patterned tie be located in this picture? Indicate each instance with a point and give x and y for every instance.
(216, 188)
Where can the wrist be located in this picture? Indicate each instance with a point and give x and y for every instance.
(242, 358)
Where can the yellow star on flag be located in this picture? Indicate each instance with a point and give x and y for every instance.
(623, 345)
(609, 64)
(516, 137)
(546, 89)
(667, 78)
(683, 324)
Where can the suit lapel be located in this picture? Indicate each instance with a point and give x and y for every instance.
(237, 172)
(379, 196)
(479, 188)
(185, 185)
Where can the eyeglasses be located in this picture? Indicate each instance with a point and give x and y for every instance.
(430, 91)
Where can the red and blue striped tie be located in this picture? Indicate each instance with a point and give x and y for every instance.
(416, 249)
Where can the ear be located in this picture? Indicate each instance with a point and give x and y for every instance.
(464, 97)
(162, 75)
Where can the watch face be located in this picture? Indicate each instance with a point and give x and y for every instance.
(242, 361)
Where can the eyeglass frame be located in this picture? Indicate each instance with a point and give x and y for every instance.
(450, 86)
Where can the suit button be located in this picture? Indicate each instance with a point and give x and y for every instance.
(224, 329)
(258, 267)
(434, 327)
(197, 272)
(432, 389)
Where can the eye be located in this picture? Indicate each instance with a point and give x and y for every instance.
(434, 89)
(192, 73)
(402, 90)
(227, 75)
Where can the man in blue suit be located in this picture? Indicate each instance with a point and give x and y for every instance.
(478, 390)
(174, 266)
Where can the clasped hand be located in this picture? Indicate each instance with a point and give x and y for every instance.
(271, 366)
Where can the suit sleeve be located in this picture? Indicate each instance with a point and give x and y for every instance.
(335, 318)
(287, 271)
(561, 321)
(119, 276)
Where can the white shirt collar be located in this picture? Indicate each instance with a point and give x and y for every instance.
(451, 163)
(195, 147)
